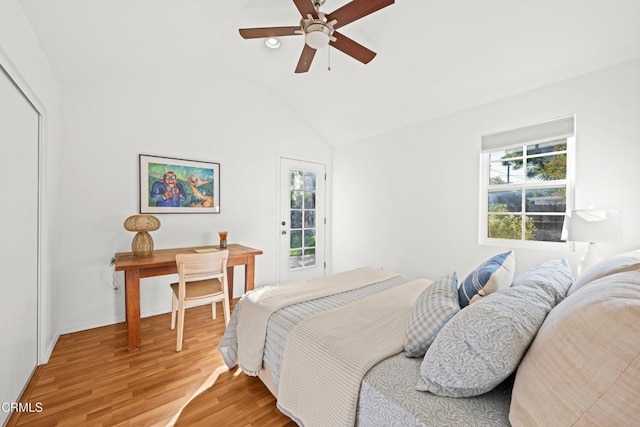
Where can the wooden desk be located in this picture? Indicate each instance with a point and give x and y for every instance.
(162, 262)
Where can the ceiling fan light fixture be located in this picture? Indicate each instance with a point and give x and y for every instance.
(317, 39)
(272, 43)
(317, 35)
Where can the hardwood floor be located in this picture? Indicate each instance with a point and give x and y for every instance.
(92, 380)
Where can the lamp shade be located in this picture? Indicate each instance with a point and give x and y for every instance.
(592, 225)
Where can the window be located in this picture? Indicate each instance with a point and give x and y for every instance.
(526, 183)
(302, 252)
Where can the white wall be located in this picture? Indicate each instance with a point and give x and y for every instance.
(23, 58)
(196, 116)
(405, 201)
(408, 200)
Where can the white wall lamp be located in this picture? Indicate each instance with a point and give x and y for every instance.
(593, 226)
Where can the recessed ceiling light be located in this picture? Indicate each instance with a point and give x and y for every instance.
(272, 43)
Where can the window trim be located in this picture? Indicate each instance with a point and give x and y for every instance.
(485, 186)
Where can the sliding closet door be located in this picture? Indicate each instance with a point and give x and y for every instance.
(19, 123)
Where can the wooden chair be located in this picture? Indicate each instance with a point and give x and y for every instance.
(202, 277)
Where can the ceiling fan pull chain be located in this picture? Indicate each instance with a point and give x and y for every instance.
(329, 55)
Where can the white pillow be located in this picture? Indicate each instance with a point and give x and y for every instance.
(629, 261)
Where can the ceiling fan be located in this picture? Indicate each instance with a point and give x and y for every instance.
(319, 29)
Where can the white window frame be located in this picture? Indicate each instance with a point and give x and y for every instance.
(501, 143)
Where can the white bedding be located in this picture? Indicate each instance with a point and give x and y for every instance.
(285, 319)
(328, 354)
(258, 306)
(281, 322)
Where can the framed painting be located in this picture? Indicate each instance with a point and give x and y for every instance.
(170, 185)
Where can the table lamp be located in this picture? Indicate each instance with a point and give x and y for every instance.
(593, 226)
(142, 243)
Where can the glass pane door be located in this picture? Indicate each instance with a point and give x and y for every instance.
(303, 220)
(302, 247)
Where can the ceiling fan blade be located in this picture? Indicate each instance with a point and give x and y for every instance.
(257, 33)
(355, 10)
(305, 59)
(306, 7)
(352, 48)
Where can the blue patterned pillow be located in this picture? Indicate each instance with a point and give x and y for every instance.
(433, 308)
(494, 274)
(483, 344)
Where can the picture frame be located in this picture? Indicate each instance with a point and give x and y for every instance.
(172, 185)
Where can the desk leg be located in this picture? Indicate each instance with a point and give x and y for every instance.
(132, 302)
(249, 273)
(230, 282)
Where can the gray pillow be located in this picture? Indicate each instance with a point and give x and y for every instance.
(555, 273)
(483, 344)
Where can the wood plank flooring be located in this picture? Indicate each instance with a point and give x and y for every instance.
(92, 380)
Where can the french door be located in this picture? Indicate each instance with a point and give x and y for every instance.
(302, 220)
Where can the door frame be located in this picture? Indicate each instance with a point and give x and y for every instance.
(43, 348)
(327, 211)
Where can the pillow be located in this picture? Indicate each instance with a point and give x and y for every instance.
(616, 264)
(494, 274)
(483, 344)
(583, 368)
(556, 273)
(434, 307)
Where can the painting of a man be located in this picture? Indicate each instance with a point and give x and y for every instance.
(170, 185)
(168, 192)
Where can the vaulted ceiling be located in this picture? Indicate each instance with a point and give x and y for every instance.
(434, 57)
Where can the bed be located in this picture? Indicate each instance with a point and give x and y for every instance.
(328, 365)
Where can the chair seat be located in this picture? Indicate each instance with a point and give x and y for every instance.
(200, 289)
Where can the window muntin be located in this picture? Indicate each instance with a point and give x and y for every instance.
(525, 188)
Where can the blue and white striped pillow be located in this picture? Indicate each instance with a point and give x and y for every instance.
(492, 275)
(433, 308)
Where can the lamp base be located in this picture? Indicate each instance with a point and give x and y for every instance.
(590, 258)
(142, 244)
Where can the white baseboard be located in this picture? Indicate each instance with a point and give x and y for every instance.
(45, 354)
(109, 322)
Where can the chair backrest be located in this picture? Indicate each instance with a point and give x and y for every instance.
(202, 266)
